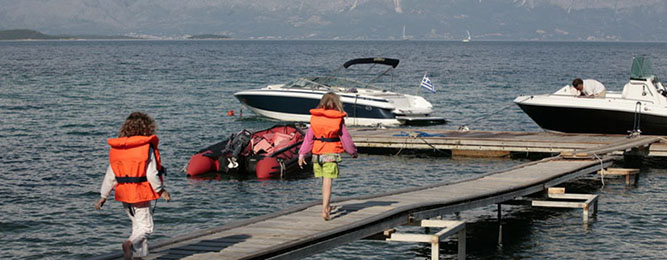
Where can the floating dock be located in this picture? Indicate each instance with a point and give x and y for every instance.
(498, 144)
(300, 231)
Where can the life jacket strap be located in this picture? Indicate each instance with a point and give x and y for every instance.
(328, 140)
(127, 179)
(317, 159)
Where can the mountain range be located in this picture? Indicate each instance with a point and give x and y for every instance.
(550, 20)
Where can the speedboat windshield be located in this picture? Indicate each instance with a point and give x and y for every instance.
(305, 83)
(328, 84)
(641, 68)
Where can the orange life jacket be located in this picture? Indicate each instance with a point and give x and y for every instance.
(326, 124)
(128, 158)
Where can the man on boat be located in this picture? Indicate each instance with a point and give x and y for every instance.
(589, 87)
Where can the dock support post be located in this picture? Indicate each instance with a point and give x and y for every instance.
(621, 172)
(592, 202)
(462, 244)
(561, 199)
(435, 250)
(451, 227)
(500, 226)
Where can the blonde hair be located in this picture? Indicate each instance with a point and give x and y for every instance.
(137, 123)
(331, 101)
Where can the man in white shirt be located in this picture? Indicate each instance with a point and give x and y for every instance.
(589, 87)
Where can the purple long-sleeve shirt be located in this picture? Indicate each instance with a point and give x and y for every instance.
(345, 139)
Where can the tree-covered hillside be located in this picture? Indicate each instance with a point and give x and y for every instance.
(21, 34)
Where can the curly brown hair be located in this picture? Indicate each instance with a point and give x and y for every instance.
(137, 123)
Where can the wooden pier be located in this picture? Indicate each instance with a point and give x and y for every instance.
(499, 144)
(300, 231)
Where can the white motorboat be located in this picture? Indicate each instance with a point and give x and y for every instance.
(640, 108)
(365, 104)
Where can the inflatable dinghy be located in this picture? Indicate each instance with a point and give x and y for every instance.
(267, 154)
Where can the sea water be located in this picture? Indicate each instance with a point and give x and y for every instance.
(61, 100)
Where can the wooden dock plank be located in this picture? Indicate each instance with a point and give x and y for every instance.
(271, 231)
(313, 225)
(658, 149)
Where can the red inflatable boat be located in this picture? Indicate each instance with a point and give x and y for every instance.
(267, 154)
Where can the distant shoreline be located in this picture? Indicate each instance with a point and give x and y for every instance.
(32, 35)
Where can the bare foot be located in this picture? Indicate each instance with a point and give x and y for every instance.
(127, 250)
(326, 214)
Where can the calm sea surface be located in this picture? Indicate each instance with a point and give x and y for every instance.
(60, 101)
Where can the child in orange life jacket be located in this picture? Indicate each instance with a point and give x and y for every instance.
(327, 138)
(135, 172)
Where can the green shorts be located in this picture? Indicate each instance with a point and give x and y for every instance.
(326, 165)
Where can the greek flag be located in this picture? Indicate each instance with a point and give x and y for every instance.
(426, 83)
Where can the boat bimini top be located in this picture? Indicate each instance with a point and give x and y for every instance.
(384, 61)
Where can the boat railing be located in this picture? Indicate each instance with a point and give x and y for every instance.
(605, 98)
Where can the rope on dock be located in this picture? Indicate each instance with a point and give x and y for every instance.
(405, 144)
(429, 144)
(465, 126)
(601, 170)
(415, 136)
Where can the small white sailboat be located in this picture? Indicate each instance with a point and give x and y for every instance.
(467, 39)
(405, 38)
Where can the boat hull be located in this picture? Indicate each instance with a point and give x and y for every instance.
(356, 121)
(200, 164)
(295, 106)
(590, 120)
(301, 105)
